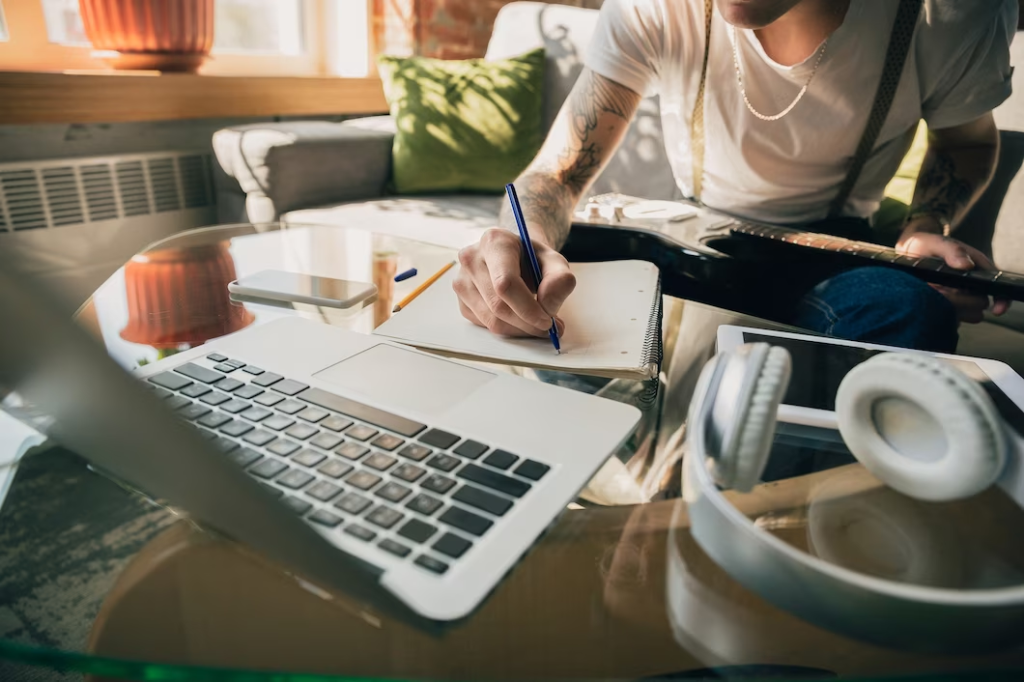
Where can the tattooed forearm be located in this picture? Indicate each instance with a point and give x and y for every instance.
(583, 137)
(591, 98)
(940, 191)
(547, 207)
(577, 173)
(957, 168)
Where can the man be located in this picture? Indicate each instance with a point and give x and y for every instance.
(789, 88)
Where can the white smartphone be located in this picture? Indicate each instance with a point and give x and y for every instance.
(278, 285)
(820, 363)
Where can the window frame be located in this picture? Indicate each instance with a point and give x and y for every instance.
(3, 25)
(28, 47)
(310, 63)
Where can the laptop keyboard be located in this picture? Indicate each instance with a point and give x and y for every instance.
(417, 493)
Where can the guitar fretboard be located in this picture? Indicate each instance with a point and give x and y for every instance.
(993, 282)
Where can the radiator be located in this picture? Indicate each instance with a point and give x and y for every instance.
(73, 222)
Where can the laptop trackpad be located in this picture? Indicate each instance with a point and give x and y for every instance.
(406, 379)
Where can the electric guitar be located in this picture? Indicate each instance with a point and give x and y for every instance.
(744, 266)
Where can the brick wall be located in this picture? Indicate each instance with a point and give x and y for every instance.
(446, 29)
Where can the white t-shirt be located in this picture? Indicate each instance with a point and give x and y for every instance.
(788, 171)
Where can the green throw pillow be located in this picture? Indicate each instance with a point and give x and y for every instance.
(468, 125)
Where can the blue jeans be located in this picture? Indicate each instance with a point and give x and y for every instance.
(880, 305)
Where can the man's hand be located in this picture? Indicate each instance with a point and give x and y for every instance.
(493, 290)
(925, 239)
(492, 283)
(957, 167)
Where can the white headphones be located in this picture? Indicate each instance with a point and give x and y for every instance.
(915, 422)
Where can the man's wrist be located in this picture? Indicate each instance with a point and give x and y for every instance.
(538, 235)
(539, 232)
(922, 222)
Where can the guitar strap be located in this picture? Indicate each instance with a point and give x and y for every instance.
(895, 57)
(697, 119)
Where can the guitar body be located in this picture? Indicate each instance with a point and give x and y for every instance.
(691, 271)
(748, 267)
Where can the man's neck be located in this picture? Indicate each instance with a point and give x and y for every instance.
(795, 35)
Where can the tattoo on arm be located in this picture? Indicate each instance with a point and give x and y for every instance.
(546, 205)
(551, 186)
(940, 191)
(592, 96)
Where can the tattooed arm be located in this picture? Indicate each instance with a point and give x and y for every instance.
(491, 285)
(957, 168)
(582, 139)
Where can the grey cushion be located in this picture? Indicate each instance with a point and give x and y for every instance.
(640, 167)
(284, 166)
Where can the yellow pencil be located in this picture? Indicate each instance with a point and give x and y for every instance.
(421, 288)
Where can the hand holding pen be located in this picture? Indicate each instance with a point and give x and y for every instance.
(494, 285)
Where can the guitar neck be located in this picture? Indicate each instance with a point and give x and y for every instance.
(931, 269)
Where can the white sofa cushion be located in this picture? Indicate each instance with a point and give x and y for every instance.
(455, 220)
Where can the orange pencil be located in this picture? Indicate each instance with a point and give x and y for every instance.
(421, 288)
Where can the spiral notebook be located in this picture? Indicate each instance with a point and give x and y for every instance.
(612, 325)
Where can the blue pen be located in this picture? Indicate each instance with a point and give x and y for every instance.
(524, 235)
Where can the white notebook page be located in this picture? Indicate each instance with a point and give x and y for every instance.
(606, 324)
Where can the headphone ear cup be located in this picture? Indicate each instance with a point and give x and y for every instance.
(752, 443)
(921, 426)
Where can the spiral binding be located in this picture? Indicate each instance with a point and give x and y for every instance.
(651, 355)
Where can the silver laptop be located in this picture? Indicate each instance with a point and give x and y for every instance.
(410, 482)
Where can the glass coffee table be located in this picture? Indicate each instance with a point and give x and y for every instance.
(97, 579)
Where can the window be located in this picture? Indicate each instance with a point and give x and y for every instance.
(3, 24)
(348, 51)
(251, 37)
(262, 26)
(64, 23)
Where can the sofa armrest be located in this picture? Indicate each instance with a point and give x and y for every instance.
(281, 167)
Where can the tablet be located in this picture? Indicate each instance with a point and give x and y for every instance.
(820, 363)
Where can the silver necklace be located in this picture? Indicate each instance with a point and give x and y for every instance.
(743, 90)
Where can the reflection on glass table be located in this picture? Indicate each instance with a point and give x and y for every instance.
(178, 297)
(826, 540)
(620, 592)
(174, 295)
(98, 578)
